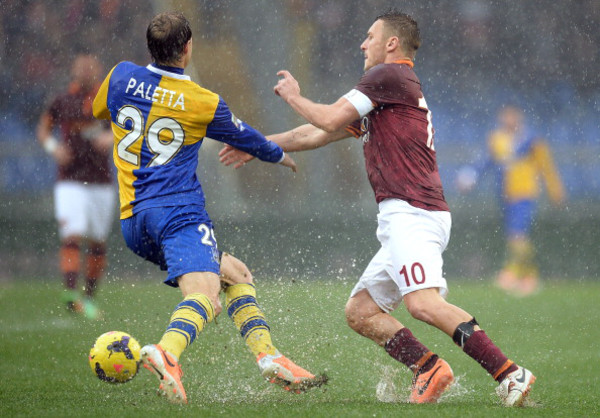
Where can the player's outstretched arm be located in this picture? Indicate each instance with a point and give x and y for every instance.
(543, 158)
(330, 118)
(306, 137)
(302, 138)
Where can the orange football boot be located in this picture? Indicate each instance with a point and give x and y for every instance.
(278, 369)
(167, 370)
(427, 387)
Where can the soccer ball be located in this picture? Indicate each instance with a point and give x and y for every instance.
(115, 357)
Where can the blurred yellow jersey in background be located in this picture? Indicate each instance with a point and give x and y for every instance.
(524, 161)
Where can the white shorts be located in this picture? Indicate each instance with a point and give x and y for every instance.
(410, 258)
(85, 210)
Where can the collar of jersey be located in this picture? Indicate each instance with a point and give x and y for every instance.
(173, 72)
(405, 61)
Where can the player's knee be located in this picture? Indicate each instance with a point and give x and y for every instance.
(73, 242)
(354, 318)
(425, 305)
(234, 271)
(217, 306)
(421, 310)
(97, 248)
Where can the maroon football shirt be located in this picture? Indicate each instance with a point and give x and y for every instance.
(398, 138)
(72, 112)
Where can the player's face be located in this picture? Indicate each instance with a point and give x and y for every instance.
(511, 119)
(374, 46)
(86, 71)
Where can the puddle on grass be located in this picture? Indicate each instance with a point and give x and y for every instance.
(394, 386)
(35, 326)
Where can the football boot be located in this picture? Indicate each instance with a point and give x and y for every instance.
(515, 387)
(427, 387)
(279, 370)
(166, 368)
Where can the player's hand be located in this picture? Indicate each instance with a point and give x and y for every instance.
(287, 86)
(289, 162)
(230, 155)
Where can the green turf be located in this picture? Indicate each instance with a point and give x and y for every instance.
(44, 369)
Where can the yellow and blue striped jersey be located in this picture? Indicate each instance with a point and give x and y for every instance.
(159, 119)
(523, 159)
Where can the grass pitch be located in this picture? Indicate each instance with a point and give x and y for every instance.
(44, 368)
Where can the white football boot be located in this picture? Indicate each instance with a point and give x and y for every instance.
(514, 389)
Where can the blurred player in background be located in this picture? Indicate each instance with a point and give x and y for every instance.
(388, 112)
(84, 196)
(159, 120)
(519, 159)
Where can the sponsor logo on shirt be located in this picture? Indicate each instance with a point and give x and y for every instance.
(364, 129)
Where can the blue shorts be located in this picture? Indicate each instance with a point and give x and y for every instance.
(178, 239)
(518, 217)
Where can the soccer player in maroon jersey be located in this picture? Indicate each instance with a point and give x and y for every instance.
(84, 195)
(388, 112)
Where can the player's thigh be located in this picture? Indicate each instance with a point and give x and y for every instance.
(415, 243)
(69, 208)
(361, 305)
(206, 283)
(100, 210)
(233, 270)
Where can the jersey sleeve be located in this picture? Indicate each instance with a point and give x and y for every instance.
(100, 105)
(379, 84)
(225, 127)
(543, 159)
(360, 101)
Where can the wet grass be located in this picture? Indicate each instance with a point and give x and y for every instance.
(45, 372)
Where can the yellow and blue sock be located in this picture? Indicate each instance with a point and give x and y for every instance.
(249, 319)
(522, 258)
(187, 321)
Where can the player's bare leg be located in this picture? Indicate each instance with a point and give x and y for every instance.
(365, 317)
(515, 382)
(429, 306)
(95, 265)
(234, 271)
(70, 264)
(251, 322)
(432, 375)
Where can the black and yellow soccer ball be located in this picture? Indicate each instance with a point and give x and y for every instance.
(115, 357)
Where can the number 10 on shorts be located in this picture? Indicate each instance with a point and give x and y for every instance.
(416, 274)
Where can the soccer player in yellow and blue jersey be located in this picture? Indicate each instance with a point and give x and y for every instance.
(159, 120)
(520, 159)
